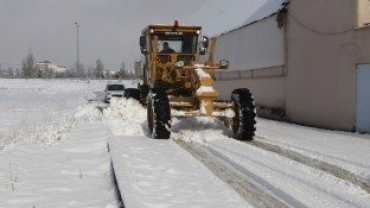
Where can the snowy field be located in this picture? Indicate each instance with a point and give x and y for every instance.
(55, 153)
(53, 145)
(30, 107)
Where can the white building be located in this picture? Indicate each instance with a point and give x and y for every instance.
(47, 66)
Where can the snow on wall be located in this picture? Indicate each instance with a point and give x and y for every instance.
(259, 45)
(217, 16)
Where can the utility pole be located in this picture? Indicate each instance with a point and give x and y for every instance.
(78, 49)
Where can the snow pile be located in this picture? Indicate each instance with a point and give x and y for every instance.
(217, 17)
(88, 112)
(198, 129)
(126, 117)
(202, 74)
(205, 89)
(46, 133)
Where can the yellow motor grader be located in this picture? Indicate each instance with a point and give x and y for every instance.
(177, 84)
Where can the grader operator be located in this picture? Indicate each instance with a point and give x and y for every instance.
(177, 84)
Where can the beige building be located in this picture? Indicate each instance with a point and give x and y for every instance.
(47, 66)
(308, 65)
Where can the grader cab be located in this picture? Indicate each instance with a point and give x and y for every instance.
(177, 84)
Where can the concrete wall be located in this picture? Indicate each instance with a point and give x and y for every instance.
(363, 45)
(259, 45)
(321, 81)
(267, 92)
(363, 12)
(257, 57)
(316, 82)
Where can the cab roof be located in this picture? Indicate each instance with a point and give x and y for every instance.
(165, 28)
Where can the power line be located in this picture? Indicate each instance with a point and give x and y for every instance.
(327, 33)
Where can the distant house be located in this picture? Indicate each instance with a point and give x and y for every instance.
(48, 67)
(110, 73)
(308, 62)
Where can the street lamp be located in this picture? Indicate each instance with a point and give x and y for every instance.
(78, 49)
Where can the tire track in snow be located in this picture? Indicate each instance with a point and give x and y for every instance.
(294, 183)
(316, 163)
(258, 196)
(269, 142)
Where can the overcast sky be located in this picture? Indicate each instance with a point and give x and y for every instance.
(110, 28)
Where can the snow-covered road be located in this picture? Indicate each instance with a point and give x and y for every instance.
(295, 184)
(159, 173)
(342, 153)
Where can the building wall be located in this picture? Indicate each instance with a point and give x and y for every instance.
(363, 45)
(257, 57)
(269, 93)
(316, 81)
(321, 81)
(258, 45)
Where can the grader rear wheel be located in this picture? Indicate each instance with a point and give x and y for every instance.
(159, 114)
(245, 115)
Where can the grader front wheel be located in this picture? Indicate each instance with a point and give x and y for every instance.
(245, 116)
(159, 114)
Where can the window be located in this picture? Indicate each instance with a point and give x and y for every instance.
(179, 43)
(116, 87)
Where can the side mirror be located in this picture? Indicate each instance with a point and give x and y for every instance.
(142, 41)
(205, 42)
(224, 64)
(143, 44)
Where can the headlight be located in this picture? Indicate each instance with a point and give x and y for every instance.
(224, 64)
(180, 64)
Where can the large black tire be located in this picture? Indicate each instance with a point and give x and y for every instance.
(245, 115)
(132, 93)
(144, 92)
(159, 114)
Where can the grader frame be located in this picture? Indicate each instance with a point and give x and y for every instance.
(182, 78)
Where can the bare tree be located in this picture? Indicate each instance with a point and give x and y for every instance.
(28, 65)
(90, 72)
(99, 68)
(18, 72)
(10, 72)
(107, 74)
(80, 70)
